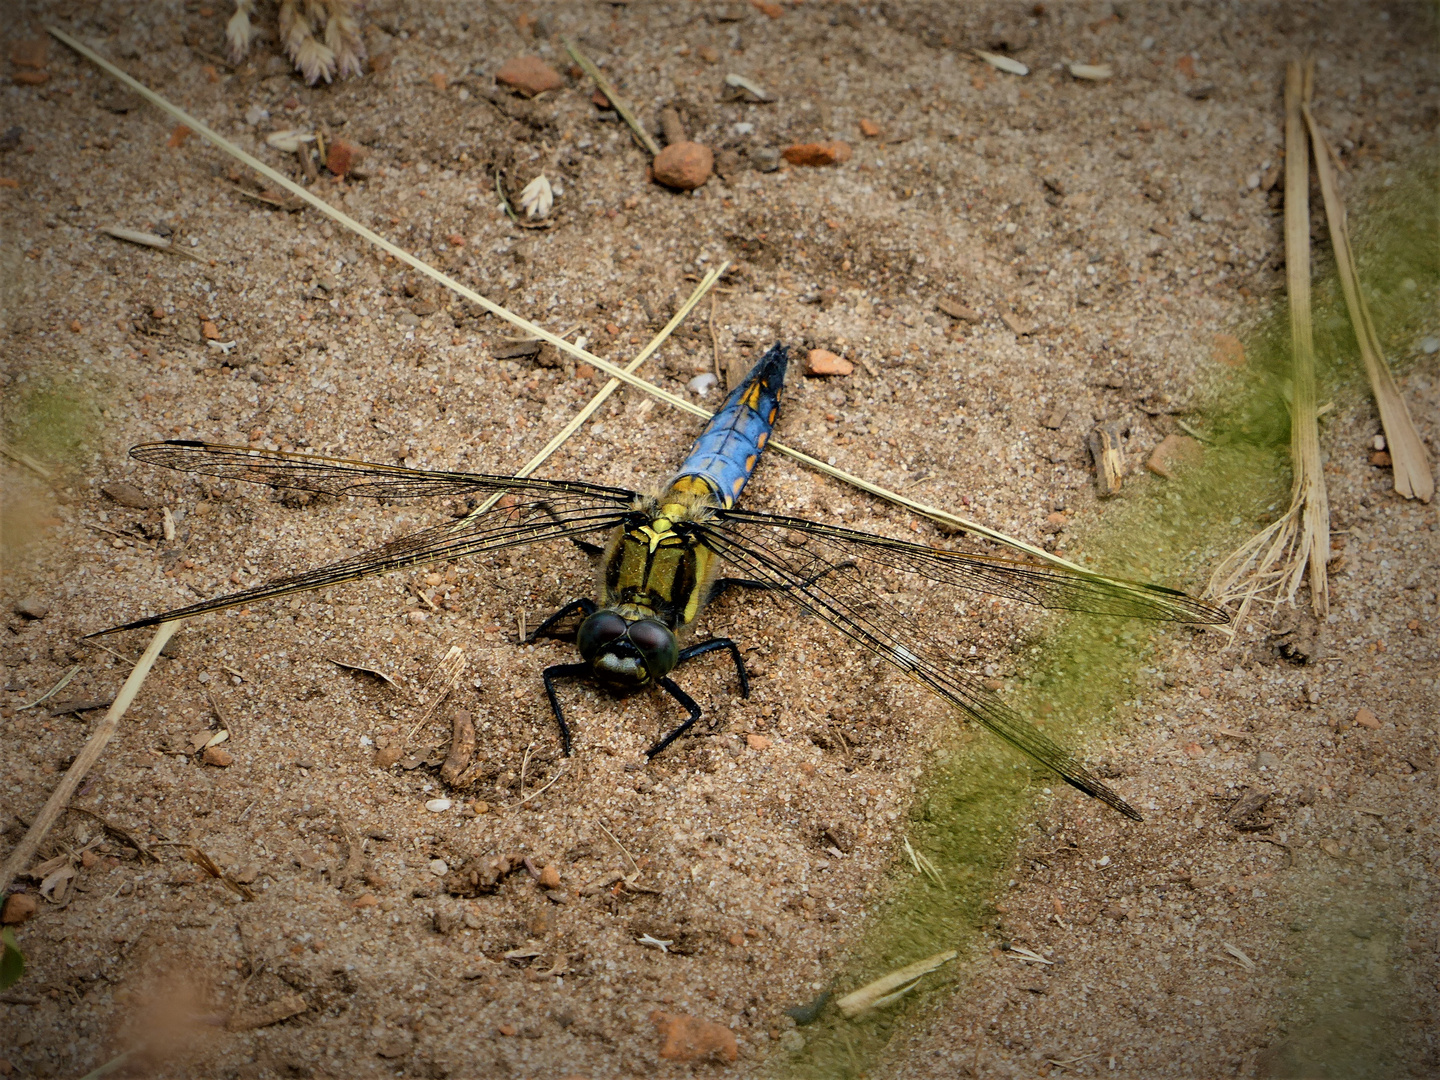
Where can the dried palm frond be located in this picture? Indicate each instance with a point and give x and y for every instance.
(1409, 461)
(1272, 564)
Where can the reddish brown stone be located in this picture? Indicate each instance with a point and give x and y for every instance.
(218, 757)
(530, 75)
(341, 157)
(869, 129)
(1381, 459)
(18, 908)
(683, 165)
(689, 1038)
(30, 78)
(834, 152)
(825, 362)
(1174, 452)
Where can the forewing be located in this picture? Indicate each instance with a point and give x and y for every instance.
(341, 476)
(1045, 585)
(832, 588)
(559, 510)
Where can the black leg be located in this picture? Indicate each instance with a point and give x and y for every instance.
(565, 671)
(689, 704)
(720, 643)
(583, 606)
(584, 545)
(723, 584)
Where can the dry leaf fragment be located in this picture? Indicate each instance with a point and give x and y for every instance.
(54, 885)
(1092, 72)
(272, 1012)
(135, 236)
(537, 198)
(1002, 63)
(289, 140)
(890, 988)
(755, 90)
(1238, 954)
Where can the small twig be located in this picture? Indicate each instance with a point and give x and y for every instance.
(537, 791)
(64, 682)
(715, 341)
(220, 715)
(21, 855)
(446, 675)
(923, 866)
(621, 846)
(608, 90)
(524, 763)
(121, 834)
(25, 459)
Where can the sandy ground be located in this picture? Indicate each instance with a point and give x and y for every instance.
(1116, 224)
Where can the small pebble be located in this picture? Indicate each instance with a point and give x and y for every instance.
(364, 900)
(684, 166)
(1367, 719)
(438, 867)
(1430, 345)
(388, 756)
(439, 806)
(18, 908)
(1174, 452)
(550, 877)
(128, 495)
(218, 756)
(869, 129)
(758, 742)
(340, 157)
(32, 608)
(530, 75)
(766, 158)
(743, 127)
(689, 1038)
(1378, 443)
(817, 154)
(825, 362)
(702, 383)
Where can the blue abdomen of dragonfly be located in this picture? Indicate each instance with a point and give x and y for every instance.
(726, 453)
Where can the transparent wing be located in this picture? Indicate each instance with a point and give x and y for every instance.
(1047, 586)
(341, 476)
(825, 574)
(542, 510)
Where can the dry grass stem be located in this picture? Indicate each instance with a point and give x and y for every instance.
(102, 735)
(1411, 465)
(22, 458)
(437, 688)
(1271, 564)
(608, 89)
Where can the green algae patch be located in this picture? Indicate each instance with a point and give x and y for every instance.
(1087, 678)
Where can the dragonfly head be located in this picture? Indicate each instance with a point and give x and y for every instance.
(627, 654)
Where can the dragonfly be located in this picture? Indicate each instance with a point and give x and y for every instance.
(663, 555)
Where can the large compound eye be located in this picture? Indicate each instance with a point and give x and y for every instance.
(657, 645)
(597, 631)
